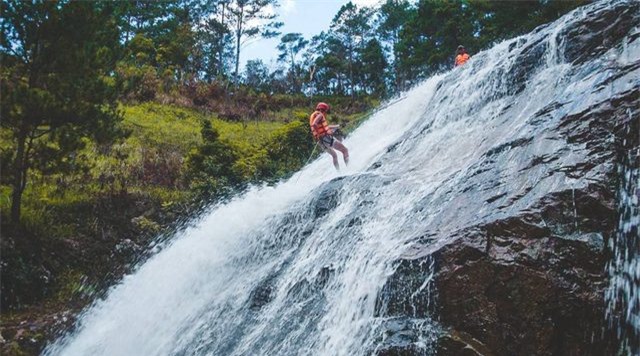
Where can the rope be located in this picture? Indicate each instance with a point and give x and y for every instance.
(307, 162)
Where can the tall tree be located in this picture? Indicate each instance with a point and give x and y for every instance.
(350, 27)
(250, 19)
(393, 15)
(373, 67)
(328, 68)
(256, 74)
(289, 47)
(57, 57)
(213, 35)
(142, 17)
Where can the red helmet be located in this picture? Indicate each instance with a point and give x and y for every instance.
(323, 107)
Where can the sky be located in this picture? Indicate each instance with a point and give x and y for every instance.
(308, 17)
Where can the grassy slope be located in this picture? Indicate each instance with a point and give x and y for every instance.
(155, 130)
(157, 133)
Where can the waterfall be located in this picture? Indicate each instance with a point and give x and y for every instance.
(623, 294)
(299, 268)
(196, 295)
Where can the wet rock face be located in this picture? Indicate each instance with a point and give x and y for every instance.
(512, 287)
(528, 284)
(516, 304)
(401, 337)
(532, 281)
(600, 31)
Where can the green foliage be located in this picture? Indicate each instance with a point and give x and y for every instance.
(256, 75)
(210, 169)
(372, 68)
(290, 45)
(287, 150)
(155, 125)
(138, 83)
(250, 19)
(72, 284)
(56, 91)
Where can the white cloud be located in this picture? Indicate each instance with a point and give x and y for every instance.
(287, 6)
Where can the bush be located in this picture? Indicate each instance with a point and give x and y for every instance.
(137, 83)
(210, 166)
(287, 151)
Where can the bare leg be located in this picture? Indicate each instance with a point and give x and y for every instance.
(334, 156)
(345, 152)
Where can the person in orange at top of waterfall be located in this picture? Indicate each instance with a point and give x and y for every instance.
(462, 56)
(324, 134)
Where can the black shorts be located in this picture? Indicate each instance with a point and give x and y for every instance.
(326, 141)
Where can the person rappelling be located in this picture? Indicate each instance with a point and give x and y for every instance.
(325, 134)
(461, 56)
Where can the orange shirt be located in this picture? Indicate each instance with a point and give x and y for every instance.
(462, 59)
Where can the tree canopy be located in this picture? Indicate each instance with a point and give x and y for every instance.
(56, 91)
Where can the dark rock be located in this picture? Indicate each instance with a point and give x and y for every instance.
(525, 285)
(324, 276)
(512, 285)
(400, 296)
(262, 294)
(530, 58)
(455, 343)
(327, 197)
(403, 336)
(301, 290)
(599, 32)
(509, 145)
(400, 349)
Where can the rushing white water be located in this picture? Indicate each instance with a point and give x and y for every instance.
(623, 294)
(156, 310)
(296, 269)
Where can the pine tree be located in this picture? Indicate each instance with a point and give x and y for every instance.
(250, 19)
(56, 85)
(289, 47)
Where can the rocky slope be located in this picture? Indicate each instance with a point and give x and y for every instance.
(532, 281)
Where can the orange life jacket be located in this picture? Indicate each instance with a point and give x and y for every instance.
(462, 59)
(321, 128)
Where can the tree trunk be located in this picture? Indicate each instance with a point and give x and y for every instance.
(235, 76)
(396, 66)
(351, 70)
(297, 87)
(238, 40)
(19, 178)
(219, 70)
